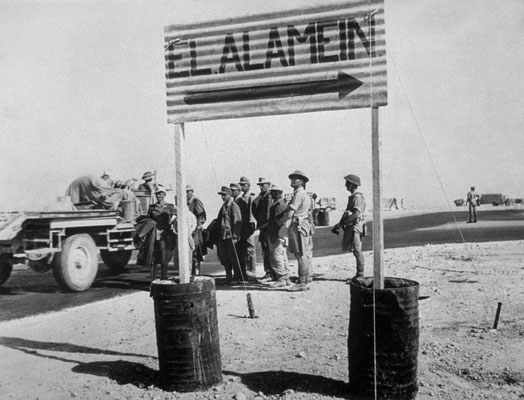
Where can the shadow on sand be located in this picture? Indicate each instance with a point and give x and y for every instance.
(278, 382)
(123, 372)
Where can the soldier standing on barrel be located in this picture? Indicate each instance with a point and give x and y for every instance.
(352, 223)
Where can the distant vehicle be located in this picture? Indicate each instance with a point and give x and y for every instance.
(67, 242)
(495, 199)
(321, 207)
(459, 202)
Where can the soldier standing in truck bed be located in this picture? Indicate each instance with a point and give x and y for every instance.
(148, 185)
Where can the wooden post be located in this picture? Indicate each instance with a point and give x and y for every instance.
(181, 206)
(378, 226)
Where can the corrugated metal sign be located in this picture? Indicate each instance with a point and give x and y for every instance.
(314, 59)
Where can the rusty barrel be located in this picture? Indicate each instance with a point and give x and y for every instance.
(395, 328)
(187, 334)
(129, 210)
(323, 218)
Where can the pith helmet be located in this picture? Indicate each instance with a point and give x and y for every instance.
(160, 189)
(298, 175)
(147, 175)
(189, 188)
(262, 181)
(352, 179)
(276, 188)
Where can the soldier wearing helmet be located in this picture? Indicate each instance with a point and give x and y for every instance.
(352, 223)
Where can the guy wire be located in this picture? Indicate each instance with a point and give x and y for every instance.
(484, 291)
(375, 372)
(216, 181)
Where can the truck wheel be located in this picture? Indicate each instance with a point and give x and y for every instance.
(76, 266)
(116, 260)
(6, 267)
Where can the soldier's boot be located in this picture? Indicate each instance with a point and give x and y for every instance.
(152, 272)
(302, 284)
(163, 272)
(360, 272)
(299, 287)
(251, 266)
(196, 268)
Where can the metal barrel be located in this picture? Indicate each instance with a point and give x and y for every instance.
(323, 218)
(129, 210)
(396, 330)
(187, 334)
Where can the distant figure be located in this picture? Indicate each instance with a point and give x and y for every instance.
(472, 200)
(197, 208)
(352, 223)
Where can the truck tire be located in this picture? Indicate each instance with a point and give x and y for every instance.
(116, 260)
(6, 267)
(75, 268)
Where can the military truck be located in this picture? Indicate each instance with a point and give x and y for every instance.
(67, 242)
(495, 199)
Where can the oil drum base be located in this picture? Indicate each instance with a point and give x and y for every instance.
(387, 319)
(187, 334)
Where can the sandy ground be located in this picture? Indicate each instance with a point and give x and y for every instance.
(297, 348)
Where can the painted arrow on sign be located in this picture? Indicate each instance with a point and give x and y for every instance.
(344, 84)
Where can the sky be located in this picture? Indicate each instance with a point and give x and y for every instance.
(83, 91)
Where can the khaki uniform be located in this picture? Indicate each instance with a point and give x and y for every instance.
(300, 233)
(351, 240)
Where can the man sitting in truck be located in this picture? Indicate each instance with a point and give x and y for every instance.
(91, 192)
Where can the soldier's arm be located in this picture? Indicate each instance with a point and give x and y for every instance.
(287, 214)
(236, 221)
(200, 212)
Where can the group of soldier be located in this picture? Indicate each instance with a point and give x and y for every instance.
(281, 226)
